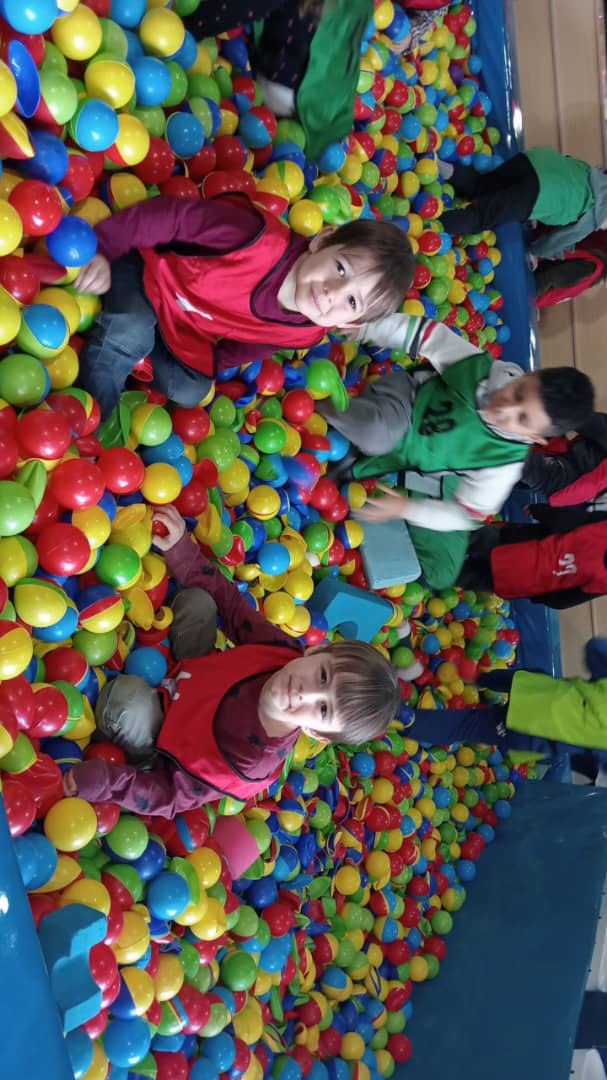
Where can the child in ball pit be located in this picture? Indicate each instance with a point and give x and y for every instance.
(465, 419)
(568, 711)
(224, 723)
(305, 46)
(202, 286)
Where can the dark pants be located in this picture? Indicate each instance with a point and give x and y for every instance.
(507, 194)
(476, 572)
(125, 332)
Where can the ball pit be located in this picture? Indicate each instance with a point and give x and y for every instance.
(360, 858)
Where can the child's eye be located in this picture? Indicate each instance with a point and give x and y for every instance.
(323, 711)
(341, 270)
(323, 676)
(352, 302)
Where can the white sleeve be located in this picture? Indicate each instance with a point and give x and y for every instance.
(480, 494)
(418, 336)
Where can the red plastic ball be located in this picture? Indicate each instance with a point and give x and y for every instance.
(401, 1047)
(63, 549)
(80, 176)
(192, 425)
(19, 278)
(230, 152)
(297, 407)
(180, 187)
(38, 206)
(271, 378)
(50, 711)
(17, 696)
(43, 433)
(158, 164)
(202, 163)
(122, 469)
(9, 455)
(44, 781)
(192, 499)
(77, 484)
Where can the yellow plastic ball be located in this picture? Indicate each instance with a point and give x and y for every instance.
(418, 969)
(235, 478)
(169, 977)
(299, 585)
(213, 924)
(70, 824)
(279, 608)
(133, 140)
(10, 317)
(133, 940)
(161, 32)
(162, 483)
(110, 79)
(353, 1044)
(347, 880)
(460, 813)
(410, 184)
(305, 217)
(99, 1067)
(8, 89)
(207, 865)
(263, 502)
(89, 892)
(78, 35)
(289, 174)
(11, 228)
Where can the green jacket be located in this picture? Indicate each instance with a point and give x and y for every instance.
(564, 710)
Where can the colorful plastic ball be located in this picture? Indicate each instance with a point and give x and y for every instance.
(148, 662)
(152, 80)
(263, 502)
(162, 32)
(239, 971)
(126, 1042)
(162, 483)
(76, 484)
(123, 471)
(58, 97)
(37, 859)
(150, 424)
(136, 994)
(118, 566)
(306, 217)
(109, 79)
(35, 18)
(132, 142)
(63, 549)
(274, 559)
(167, 895)
(185, 134)
(17, 508)
(11, 228)
(43, 332)
(129, 839)
(72, 243)
(94, 125)
(38, 206)
(70, 824)
(16, 649)
(97, 648)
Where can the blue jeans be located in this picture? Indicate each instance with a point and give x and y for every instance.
(125, 332)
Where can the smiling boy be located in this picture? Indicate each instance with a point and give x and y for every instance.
(202, 286)
(225, 722)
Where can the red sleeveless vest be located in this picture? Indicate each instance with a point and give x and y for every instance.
(200, 298)
(188, 732)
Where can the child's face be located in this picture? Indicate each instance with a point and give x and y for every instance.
(331, 287)
(302, 695)
(518, 409)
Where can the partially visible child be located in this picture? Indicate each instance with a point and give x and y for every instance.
(469, 418)
(542, 185)
(571, 711)
(224, 723)
(562, 461)
(203, 285)
(306, 58)
(579, 269)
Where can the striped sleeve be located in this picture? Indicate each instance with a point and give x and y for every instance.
(419, 337)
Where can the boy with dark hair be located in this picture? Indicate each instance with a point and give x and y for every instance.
(473, 420)
(204, 285)
(224, 723)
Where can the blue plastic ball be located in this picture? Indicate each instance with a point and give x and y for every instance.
(274, 559)
(184, 134)
(167, 895)
(72, 243)
(29, 18)
(253, 131)
(148, 662)
(94, 125)
(220, 1049)
(50, 161)
(37, 859)
(152, 80)
(128, 13)
(126, 1042)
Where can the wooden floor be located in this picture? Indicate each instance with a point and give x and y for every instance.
(561, 62)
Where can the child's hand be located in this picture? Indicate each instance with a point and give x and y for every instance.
(95, 277)
(168, 527)
(394, 506)
(70, 787)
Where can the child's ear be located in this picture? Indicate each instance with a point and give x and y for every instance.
(317, 241)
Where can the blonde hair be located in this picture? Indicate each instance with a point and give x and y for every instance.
(366, 692)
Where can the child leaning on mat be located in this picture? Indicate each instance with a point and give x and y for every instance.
(224, 723)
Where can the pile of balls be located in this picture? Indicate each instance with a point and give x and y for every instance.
(304, 965)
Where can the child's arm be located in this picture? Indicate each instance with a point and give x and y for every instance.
(418, 336)
(217, 225)
(164, 791)
(241, 623)
(480, 495)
